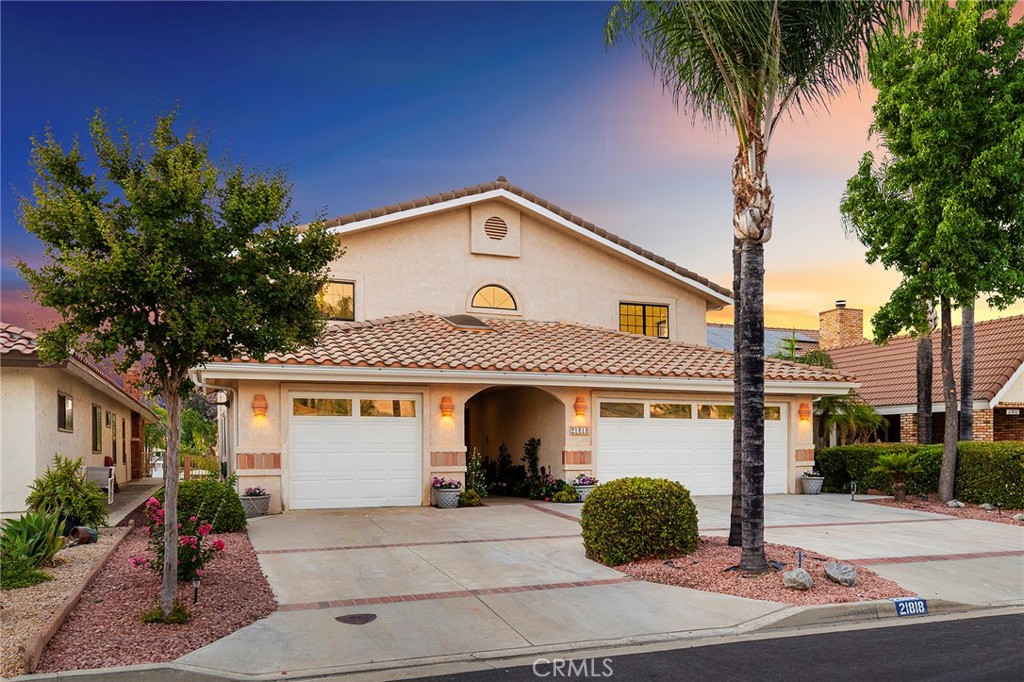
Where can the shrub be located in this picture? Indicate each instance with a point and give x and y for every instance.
(36, 535)
(638, 518)
(476, 476)
(212, 500)
(195, 549)
(16, 568)
(545, 487)
(470, 498)
(63, 489)
(531, 456)
(179, 615)
(840, 465)
(991, 472)
(566, 496)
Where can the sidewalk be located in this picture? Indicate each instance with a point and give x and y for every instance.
(131, 496)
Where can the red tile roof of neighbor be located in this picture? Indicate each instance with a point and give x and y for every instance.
(502, 183)
(888, 374)
(426, 341)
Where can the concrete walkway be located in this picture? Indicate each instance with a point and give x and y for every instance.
(131, 496)
(511, 577)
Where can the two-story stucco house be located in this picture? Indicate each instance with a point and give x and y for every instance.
(70, 409)
(486, 316)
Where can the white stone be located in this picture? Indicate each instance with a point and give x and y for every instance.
(955, 504)
(844, 574)
(1018, 517)
(986, 506)
(798, 579)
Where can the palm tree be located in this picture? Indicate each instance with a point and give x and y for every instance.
(898, 466)
(748, 65)
(967, 373)
(853, 420)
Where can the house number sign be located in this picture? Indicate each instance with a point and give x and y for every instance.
(1012, 412)
(579, 430)
(910, 606)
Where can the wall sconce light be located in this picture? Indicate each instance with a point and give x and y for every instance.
(805, 411)
(259, 405)
(580, 406)
(447, 406)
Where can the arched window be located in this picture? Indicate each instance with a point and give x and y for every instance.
(495, 297)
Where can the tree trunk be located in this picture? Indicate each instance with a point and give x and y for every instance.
(947, 472)
(925, 358)
(752, 557)
(967, 374)
(736, 517)
(172, 398)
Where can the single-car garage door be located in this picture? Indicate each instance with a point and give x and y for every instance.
(689, 442)
(354, 451)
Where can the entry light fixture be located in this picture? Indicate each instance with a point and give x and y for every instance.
(259, 405)
(447, 406)
(580, 406)
(805, 411)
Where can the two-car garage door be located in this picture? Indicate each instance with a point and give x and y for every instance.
(355, 451)
(689, 442)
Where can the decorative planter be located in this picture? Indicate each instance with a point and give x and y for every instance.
(584, 490)
(447, 498)
(812, 484)
(256, 505)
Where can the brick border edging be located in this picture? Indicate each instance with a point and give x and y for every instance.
(35, 646)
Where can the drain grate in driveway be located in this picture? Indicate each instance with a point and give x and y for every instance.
(357, 618)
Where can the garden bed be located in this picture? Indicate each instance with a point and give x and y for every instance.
(27, 610)
(705, 569)
(932, 504)
(105, 630)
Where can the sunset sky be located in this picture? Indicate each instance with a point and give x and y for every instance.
(371, 104)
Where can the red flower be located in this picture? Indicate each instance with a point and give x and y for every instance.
(218, 545)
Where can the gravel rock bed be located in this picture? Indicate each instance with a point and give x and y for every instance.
(104, 630)
(27, 609)
(704, 569)
(932, 504)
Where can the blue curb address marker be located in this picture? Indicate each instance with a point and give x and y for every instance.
(910, 606)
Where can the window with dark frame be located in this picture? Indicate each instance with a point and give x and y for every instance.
(65, 413)
(338, 300)
(97, 428)
(644, 318)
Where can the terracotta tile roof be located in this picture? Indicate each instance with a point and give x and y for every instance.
(502, 183)
(425, 341)
(888, 374)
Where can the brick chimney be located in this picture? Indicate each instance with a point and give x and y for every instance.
(840, 326)
(131, 381)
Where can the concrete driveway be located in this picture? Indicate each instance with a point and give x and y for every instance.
(512, 576)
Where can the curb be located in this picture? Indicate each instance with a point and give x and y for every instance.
(35, 646)
(856, 612)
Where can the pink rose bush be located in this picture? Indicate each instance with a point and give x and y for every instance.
(195, 549)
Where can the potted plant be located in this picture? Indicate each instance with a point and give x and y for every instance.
(584, 483)
(812, 482)
(898, 466)
(446, 492)
(256, 501)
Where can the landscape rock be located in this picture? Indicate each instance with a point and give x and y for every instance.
(798, 579)
(955, 503)
(844, 574)
(986, 506)
(1018, 517)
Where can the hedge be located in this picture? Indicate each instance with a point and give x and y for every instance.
(986, 472)
(218, 501)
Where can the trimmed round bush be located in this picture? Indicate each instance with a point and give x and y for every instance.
(630, 519)
(212, 501)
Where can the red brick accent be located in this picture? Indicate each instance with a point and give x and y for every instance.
(934, 557)
(258, 460)
(447, 459)
(1008, 426)
(908, 427)
(454, 594)
(391, 545)
(576, 457)
(132, 378)
(805, 455)
(840, 327)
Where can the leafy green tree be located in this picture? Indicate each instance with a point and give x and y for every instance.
(154, 250)
(945, 205)
(748, 66)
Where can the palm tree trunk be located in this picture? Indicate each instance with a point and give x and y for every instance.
(925, 358)
(736, 517)
(947, 472)
(967, 374)
(752, 557)
(172, 398)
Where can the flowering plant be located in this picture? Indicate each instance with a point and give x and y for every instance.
(254, 491)
(195, 549)
(445, 484)
(812, 474)
(584, 479)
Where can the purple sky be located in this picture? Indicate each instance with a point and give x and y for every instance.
(371, 104)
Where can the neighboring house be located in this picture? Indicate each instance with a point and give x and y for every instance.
(70, 408)
(487, 316)
(776, 339)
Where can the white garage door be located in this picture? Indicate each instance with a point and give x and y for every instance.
(354, 451)
(689, 442)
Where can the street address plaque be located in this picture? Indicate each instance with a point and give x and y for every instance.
(910, 606)
(579, 430)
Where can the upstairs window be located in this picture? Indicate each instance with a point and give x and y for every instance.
(65, 413)
(644, 318)
(338, 300)
(494, 297)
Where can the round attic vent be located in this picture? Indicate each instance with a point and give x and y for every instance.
(495, 228)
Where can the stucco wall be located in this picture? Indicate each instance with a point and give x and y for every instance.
(17, 438)
(1015, 392)
(558, 276)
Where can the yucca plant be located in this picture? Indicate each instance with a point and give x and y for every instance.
(36, 534)
(898, 466)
